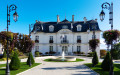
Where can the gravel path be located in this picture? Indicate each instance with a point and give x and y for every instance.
(60, 68)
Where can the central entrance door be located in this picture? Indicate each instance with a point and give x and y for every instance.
(65, 49)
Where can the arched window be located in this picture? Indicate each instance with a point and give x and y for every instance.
(79, 27)
(64, 27)
(51, 28)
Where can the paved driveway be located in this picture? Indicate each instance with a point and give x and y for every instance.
(60, 68)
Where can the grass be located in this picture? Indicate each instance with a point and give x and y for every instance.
(99, 70)
(14, 72)
(52, 60)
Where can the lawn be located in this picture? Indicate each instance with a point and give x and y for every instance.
(14, 72)
(53, 60)
(99, 70)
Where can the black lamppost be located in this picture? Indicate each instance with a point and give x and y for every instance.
(102, 16)
(15, 16)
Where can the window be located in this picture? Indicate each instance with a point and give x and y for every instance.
(65, 37)
(51, 28)
(64, 27)
(51, 48)
(78, 37)
(79, 27)
(78, 48)
(38, 28)
(51, 37)
(93, 36)
(36, 37)
(36, 48)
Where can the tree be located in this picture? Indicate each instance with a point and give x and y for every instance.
(95, 60)
(15, 62)
(30, 58)
(4, 54)
(106, 62)
(93, 44)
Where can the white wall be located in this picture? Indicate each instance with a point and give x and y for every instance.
(71, 36)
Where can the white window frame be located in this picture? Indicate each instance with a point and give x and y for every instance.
(79, 27)
(78, 48)
(51, 28)
(51, 49)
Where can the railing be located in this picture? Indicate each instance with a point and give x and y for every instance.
(50, 41)
(78, 41)
(64, 41)
(36, 41)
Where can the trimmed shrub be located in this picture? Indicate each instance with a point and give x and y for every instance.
(15, 62)
(95, 60)
(4, 54)
(114, 54)
(106, 62)
(37, 54)
(11, 54)
(30, 58)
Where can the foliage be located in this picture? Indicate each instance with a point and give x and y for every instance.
(11, 54)
(103, 53)
(21, 41)
(95, 60)
(117, 47)
(93, 44)
(4, 54)
(114, 53)
(15, 62)
(78, 52)
(37, 54)
(90, 54)
(106, 62)
(23, 67)
(30, 58)
(99, 70)
(111, 35)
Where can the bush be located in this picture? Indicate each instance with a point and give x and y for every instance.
(90, 54)
(46, 52)
(37, 54)
(32, 59)
(4, 54)
(114, 54)
(95, 60)
(106, 62)
(11, 54)
(15, 62)
(40, 53)
(103, 53)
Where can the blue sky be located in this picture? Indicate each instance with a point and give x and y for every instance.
(46, 10)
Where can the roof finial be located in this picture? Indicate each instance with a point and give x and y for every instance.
(65, 15)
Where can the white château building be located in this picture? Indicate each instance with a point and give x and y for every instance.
(70, 36)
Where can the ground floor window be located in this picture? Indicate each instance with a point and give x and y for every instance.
(36, 48)
(51, 48)
(78, 48)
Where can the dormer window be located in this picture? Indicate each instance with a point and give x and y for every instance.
(51, 28)
(38, 28)
(79, 27)
(64, 27)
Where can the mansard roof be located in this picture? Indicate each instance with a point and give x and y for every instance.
(44, 26)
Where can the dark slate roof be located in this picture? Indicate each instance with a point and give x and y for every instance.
(44, 26)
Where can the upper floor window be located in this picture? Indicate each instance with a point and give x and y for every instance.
(79, 27)
(51, 28)
(38, 28)
(65, 37)
(78, 37)
(36, 37)
(51, 37)
(64, 27)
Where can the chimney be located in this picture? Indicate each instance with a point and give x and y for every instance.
(36, 21)
(58, 19)
(85, 20)
(72, 18)
(96, 19)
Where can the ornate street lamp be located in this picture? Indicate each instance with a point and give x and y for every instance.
(15, 15)
(108, 6)
(102, 14)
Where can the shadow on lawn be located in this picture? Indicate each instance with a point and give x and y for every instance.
(81, 69)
